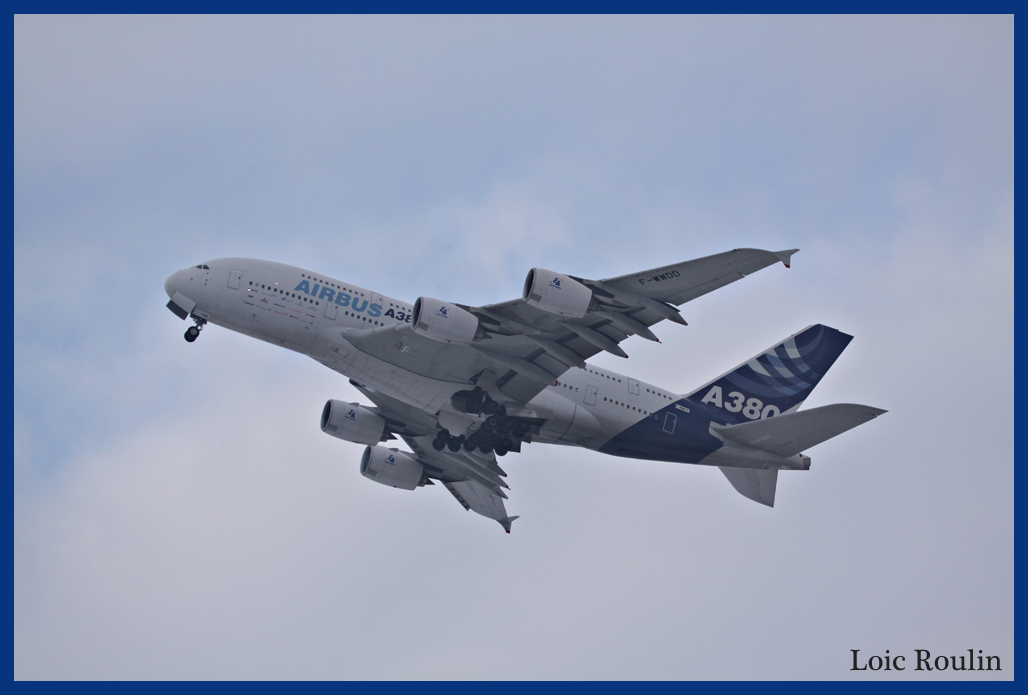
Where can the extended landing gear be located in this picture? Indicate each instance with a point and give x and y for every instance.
(475, 401)
(193, 332)
(491, 437)
(498, 432)
(444, 442)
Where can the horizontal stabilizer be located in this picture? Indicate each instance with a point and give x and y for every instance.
(755, 484)
(789, 434)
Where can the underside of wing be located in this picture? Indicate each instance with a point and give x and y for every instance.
(515, 349)
(401, 418)
(683, 282)
(562, 320)
(481, 500)
(471, 474)
(472, 477)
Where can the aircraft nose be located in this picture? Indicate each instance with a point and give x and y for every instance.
(172, 283)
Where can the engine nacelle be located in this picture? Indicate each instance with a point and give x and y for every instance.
(443, 321)
(391, 467)
(352, 422)
(556, 293)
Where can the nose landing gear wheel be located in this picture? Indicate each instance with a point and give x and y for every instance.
(193, 332)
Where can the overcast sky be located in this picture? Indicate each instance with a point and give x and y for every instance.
(178, 513)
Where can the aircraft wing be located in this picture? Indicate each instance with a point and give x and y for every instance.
(520, 348)
(683, 282)
(473, 478)
(623, 306)
(480, 499)
(401, 418)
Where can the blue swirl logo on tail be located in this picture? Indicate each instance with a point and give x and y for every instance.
(777, 380)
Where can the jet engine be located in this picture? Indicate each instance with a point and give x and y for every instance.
(557, 294)
(352, 422)
(443, 321)
(391, 467)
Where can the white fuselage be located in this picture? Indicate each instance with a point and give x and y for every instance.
(307, 312)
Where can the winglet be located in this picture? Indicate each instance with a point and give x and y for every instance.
(786, 257)
(506, 521)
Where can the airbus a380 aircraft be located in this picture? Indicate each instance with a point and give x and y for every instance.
(462, 385)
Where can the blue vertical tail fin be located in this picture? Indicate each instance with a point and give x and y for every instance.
(779, 379)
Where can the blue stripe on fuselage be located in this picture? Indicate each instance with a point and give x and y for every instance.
(689, 442)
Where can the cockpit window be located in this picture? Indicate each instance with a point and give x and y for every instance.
(204, 267)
